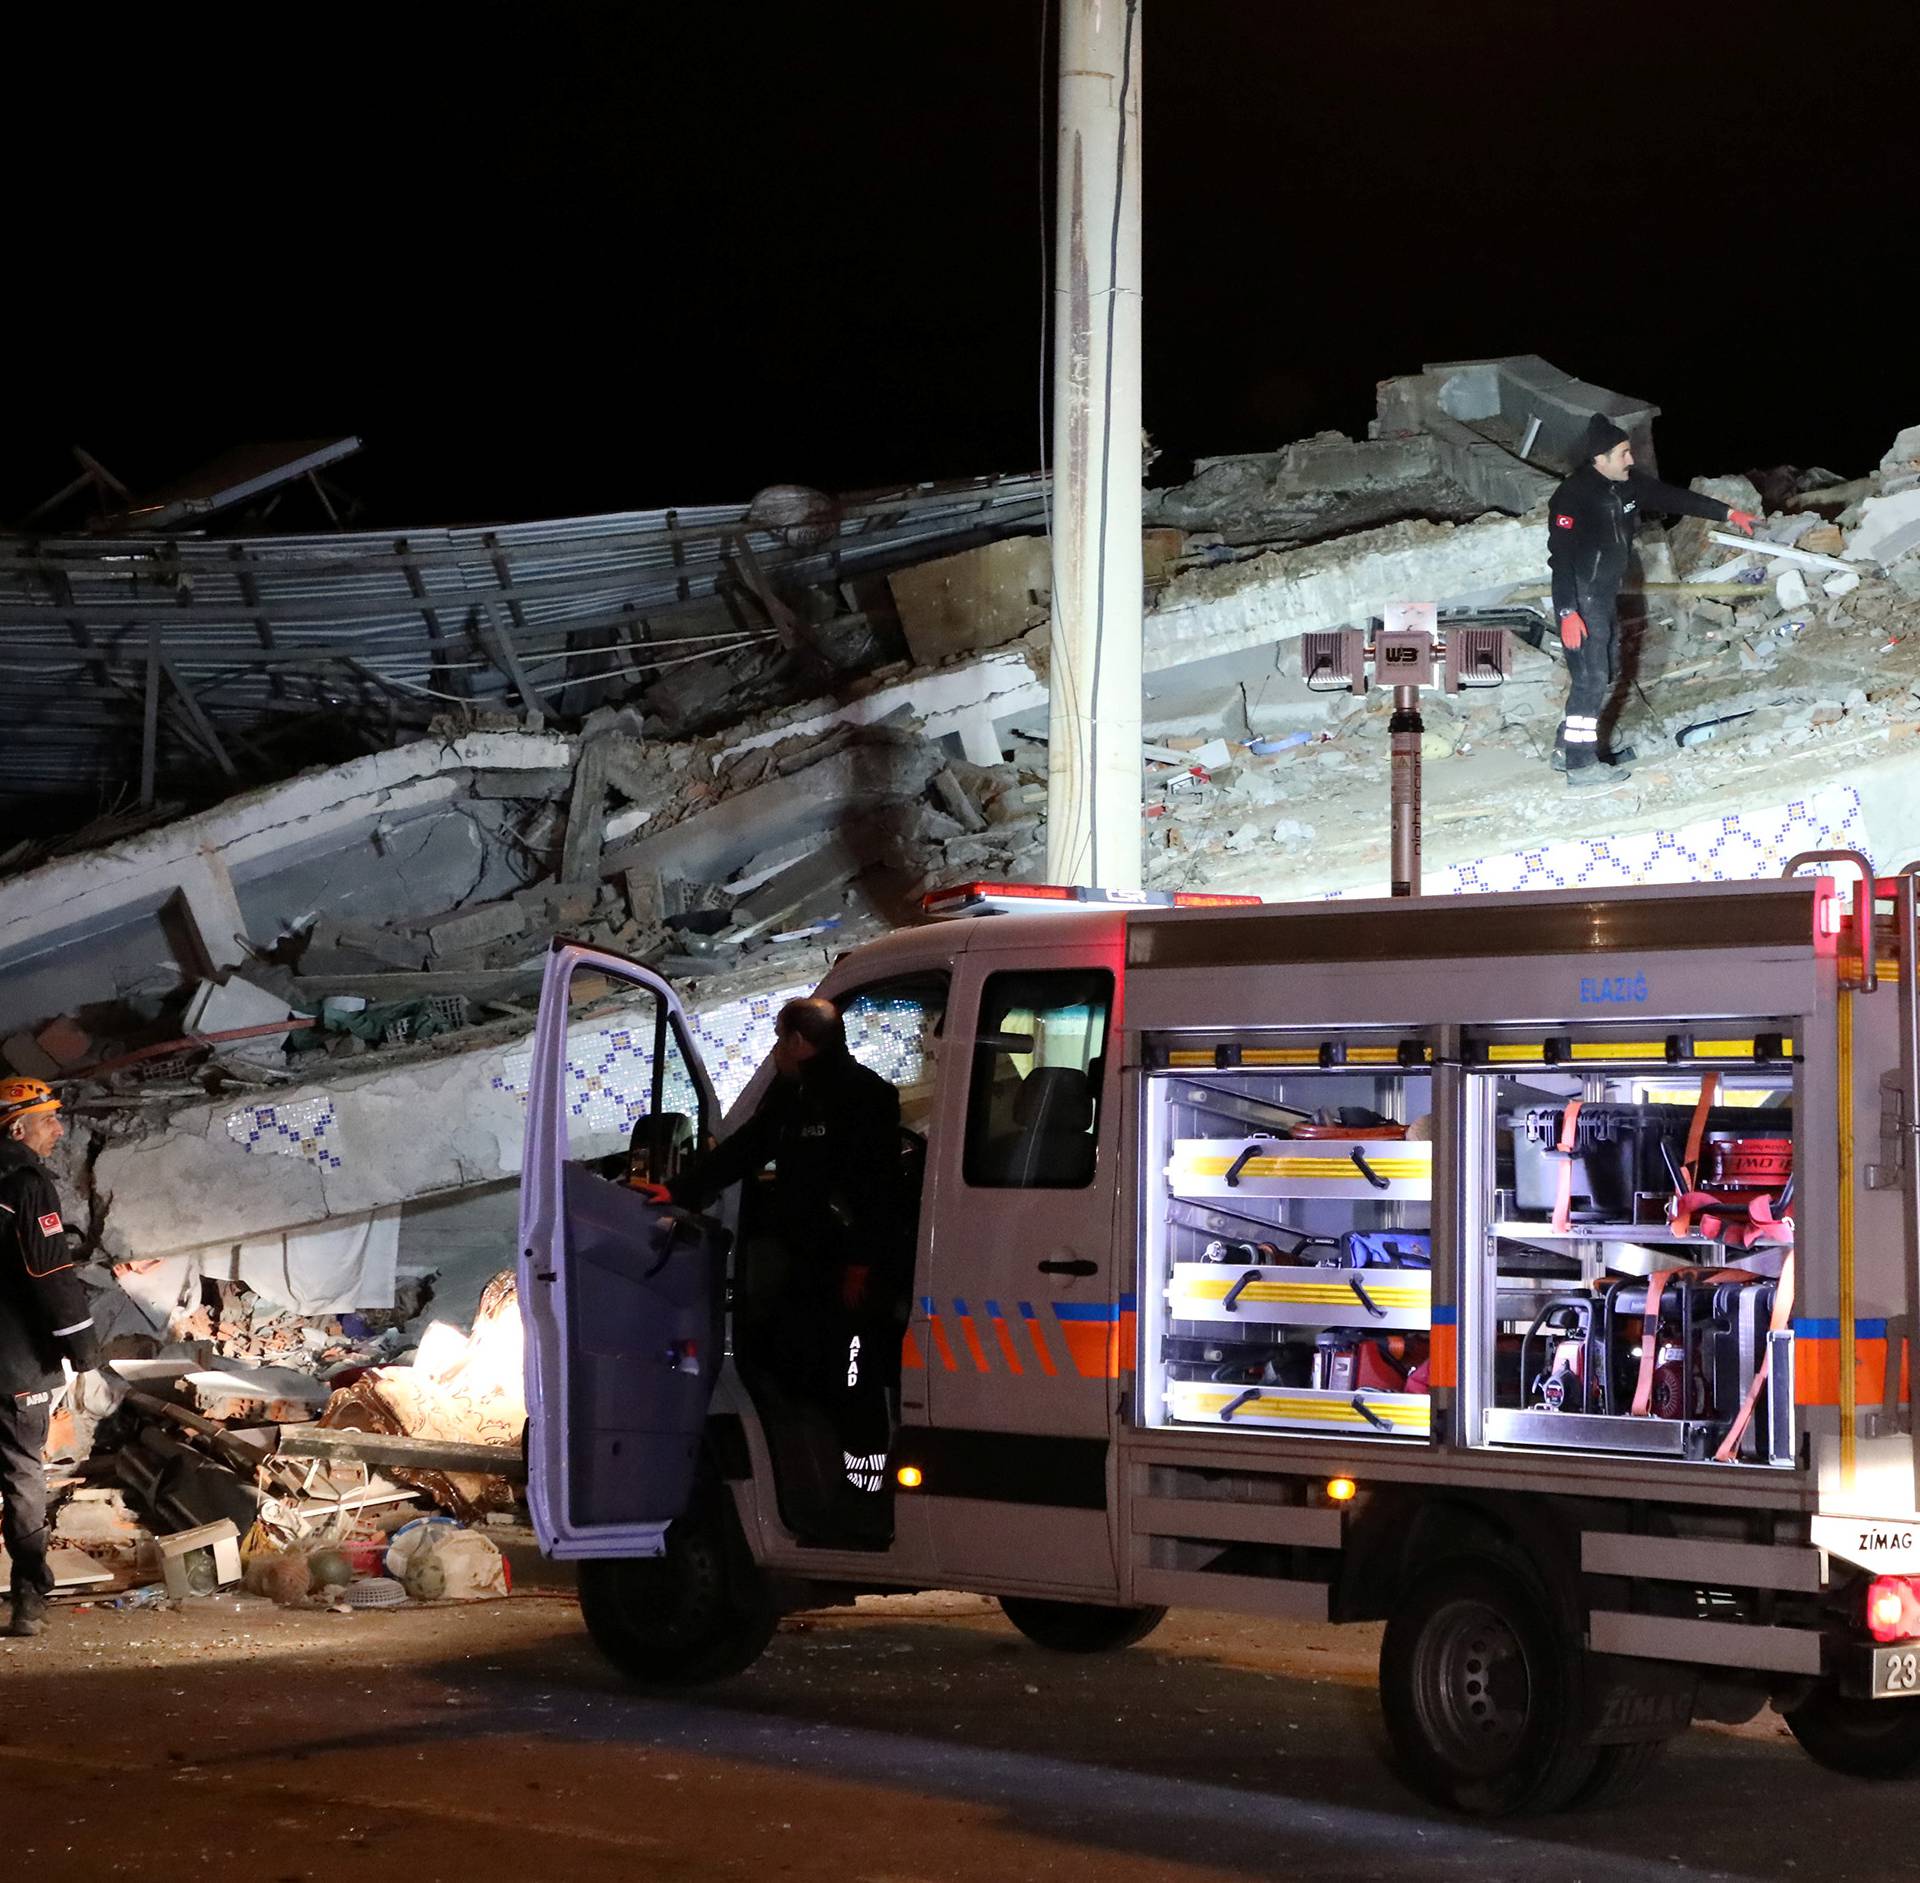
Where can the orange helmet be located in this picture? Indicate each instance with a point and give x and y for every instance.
(21, 1098)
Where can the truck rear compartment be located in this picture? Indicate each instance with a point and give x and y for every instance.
(1602, 1272)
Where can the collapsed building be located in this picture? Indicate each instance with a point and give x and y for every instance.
(288, 1003)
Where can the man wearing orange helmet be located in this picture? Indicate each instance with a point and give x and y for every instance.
(44, 1318)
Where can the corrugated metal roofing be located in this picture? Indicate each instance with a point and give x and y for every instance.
(255, 628)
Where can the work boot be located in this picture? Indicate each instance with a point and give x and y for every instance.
(29, 1613)
(1619, 755)
(1597, 775)
(1559, 759)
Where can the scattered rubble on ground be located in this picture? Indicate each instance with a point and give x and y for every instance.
(174, 1475)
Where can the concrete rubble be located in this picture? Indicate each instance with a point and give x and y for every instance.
(291, 1027)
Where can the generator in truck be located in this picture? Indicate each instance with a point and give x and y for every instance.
(1535, 1274)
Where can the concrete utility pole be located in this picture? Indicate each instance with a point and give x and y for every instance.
(1093, 727)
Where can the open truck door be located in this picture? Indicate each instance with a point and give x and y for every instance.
(621, 1296)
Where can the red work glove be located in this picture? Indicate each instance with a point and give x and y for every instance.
(1572, 629)
(653, 1192)
(1742, 520)
(853, 1287)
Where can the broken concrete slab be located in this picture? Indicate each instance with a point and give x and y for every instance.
(338, 935)
(824, 868)
(1889, 528)
(1277, 597)
(1315, 488)
(522, 784)
(954, 799)
(111, 900)
(714, 842)
(476, 928)
(222, 1008)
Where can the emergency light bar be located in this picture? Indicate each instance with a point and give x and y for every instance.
(1039, 898)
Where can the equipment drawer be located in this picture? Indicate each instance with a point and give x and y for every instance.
(1341, 1169)
(1204, 1402)
(1317, 1297)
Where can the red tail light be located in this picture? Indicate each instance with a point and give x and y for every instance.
(1893, 1609)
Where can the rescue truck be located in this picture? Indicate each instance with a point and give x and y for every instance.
(1536, 1274)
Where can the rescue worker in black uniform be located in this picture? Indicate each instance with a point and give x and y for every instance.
(1591, 523)
(839, 1208)
(44, 1317)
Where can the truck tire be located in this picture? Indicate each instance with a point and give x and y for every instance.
(1079, 1627)
(1615, 1769)
(1863, 1738)
(1482, 1692)
(699, 1612)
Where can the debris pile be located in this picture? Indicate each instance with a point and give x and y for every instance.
(163, 1461)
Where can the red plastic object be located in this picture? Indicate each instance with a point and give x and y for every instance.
(366, 1556)
(1748, 1163)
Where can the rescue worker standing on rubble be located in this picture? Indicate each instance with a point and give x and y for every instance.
(1592, 519)
(44, 1318)
(839, 1208)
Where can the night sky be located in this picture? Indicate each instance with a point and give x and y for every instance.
(571, 258)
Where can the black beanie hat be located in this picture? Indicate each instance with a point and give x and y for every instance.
(1602, 434)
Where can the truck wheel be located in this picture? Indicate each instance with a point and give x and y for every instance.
(699, 1612)
(1482, 1692)
(1080, 1627)
(1863, 1738)
(1615, 1769)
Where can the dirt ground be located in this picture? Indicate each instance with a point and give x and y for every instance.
(910, 1740)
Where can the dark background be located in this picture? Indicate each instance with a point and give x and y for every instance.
(568, 258)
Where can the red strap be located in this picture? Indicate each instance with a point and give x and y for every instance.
(1696, 1136)
(1569, 1136)
(1776, 1323)
(1650, 1340)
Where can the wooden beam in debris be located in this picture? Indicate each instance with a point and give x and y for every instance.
(150, 719)
(499, 646)
(250, 593)
(462, 682)
(388, 1452)
(785, 622)
(586, 816)
(201, 724)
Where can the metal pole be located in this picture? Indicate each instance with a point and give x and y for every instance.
(1407, 730)
(1093, 731)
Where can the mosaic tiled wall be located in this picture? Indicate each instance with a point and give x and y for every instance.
(1738, 847)
(305, 1127)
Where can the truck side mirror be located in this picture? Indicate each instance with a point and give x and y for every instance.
(658, 1146)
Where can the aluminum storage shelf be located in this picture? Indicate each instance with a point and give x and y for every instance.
(1314, 1297)
(1593, 1431)
(1336, 1169)
(1300, 1408)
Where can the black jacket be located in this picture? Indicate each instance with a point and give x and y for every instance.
(833, 1135)
(45, 1311)
(1590, 529)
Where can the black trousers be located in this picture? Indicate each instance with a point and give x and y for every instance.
(1593, 676)
(23, 1489)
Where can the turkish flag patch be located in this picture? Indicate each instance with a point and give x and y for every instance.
(50, 1224)
(1563, 522)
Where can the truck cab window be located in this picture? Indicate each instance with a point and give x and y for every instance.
(632, 1103)
(1033, 1099)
